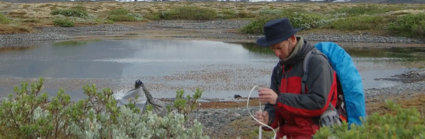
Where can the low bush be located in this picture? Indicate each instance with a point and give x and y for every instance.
(3, 19)
(358, 23)
(256, 26)
(30, 114)
(307, 21)
(300, 19)
(189, 13)
(403, 123)
(411, 25)
(63, 22)
(365, 9)
(123, 15)
(77, 11)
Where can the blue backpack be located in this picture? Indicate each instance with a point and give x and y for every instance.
(351, 99)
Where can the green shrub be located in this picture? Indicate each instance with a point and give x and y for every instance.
(189, 13)
(307, 21)
(3, 19)
(402, 123)
(77, 11)
(300, 19)
(256, 26)
(63, 22)
(123, 15)
(358, 23)
(411, 25)
(366, 9)
(30, 114)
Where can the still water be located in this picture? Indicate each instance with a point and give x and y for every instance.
(220, 69)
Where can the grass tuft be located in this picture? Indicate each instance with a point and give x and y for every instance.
(3, 19)
(63, 22)
(77, 11)
(123, 15)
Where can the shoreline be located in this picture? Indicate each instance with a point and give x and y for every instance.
(215, 30)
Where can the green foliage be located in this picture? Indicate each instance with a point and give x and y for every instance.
(189, 13)
(63, 22)
(77, 11)
(188, 104)
(399, 123)
(31, 115)
(123, 15)
(365, 9)
(256, 26)
(411, 25)
(306, 21)
(299, 19)
(3, 19)
(358, 23)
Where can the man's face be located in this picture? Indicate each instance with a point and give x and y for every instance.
(283, 49)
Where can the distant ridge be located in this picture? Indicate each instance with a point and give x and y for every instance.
(367, 1)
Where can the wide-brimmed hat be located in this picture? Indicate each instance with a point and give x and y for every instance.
(276, 31)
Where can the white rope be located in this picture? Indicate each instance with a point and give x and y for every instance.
(252, 116)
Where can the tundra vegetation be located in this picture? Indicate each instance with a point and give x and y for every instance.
(29, 113)
(382, 19)
(396, 122)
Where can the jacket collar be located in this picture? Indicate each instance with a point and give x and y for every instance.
(299, 52)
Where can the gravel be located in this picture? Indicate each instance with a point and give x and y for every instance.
(49, 34)
(222, 30)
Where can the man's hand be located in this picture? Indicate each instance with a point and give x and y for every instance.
(267, 95)
(262, 116)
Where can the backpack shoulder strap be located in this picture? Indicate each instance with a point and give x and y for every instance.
(306, 61)
(305, 71)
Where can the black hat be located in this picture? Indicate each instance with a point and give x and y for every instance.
(276, 31)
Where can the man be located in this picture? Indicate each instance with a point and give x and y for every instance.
(296, 114)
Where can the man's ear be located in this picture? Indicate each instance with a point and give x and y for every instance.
(293, 40)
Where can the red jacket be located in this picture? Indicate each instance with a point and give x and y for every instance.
(296, 114)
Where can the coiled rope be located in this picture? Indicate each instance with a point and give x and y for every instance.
(252, 116)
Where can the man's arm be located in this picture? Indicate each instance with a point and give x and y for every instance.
(273, 122)
(320, 82)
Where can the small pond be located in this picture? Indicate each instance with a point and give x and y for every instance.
(220, 69)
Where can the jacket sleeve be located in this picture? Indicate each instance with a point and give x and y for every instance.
(270, 108)
(321, 82)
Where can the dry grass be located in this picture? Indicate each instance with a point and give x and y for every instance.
(12, 29)
(416, 101)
